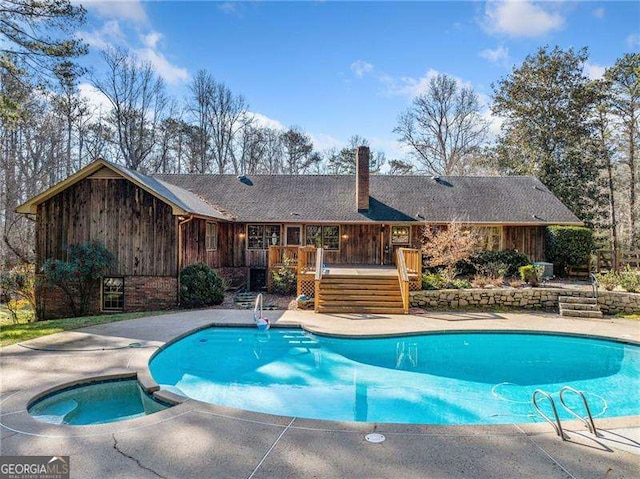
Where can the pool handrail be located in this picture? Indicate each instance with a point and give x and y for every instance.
(557, 425)
(590, 423)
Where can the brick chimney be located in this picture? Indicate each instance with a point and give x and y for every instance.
(362, 178)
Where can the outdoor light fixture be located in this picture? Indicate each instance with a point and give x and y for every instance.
(345, 237)
(241, 235)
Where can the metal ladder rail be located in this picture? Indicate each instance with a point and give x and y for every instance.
(557, 425)
(589, 423)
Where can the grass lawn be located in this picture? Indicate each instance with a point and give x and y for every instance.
(14, 333)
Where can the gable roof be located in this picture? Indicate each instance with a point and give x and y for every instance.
(326, 198)
(182, 202)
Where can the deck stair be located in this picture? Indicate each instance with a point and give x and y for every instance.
(363, 294)
(579, 307)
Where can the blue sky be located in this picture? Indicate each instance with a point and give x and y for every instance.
(343, 68)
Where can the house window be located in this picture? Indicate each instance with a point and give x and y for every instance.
(211, 237)
(262, 236)
(327, 237)
(112, 294)
(488, 237)
(400, 234)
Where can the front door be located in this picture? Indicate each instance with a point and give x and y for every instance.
(294, 236)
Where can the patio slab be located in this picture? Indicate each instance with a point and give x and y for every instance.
(196, 439)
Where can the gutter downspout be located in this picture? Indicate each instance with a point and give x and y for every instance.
(179, 262)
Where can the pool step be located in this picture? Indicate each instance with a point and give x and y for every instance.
(579, 307)
(360, 294)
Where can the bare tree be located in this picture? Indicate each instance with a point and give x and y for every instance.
(443, 127)
(400, 167)
(138, 100)
(297, 147)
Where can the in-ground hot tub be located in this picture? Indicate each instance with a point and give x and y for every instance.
(97, 402)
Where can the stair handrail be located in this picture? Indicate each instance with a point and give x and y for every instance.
(589, 423)
(403, 278)
(594, 285)
(318, 278)
(557, 425)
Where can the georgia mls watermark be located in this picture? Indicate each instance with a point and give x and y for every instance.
(34, 467)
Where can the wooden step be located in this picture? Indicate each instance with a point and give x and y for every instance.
(362, 304)
(358, 277)
(361, 297)
(359, 310)
(575, 299)
(359, 287)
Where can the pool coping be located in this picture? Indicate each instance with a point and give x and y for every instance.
(20, 421)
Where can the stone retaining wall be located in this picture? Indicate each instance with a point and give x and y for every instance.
(529, 298)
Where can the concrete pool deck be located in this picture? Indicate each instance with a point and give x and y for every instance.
(195, 439)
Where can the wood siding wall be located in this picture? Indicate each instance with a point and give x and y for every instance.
(136, 227)
(231, 247)
(526, 239)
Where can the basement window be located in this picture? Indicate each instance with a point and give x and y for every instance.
(211, 237)
(112, 294)
(323, 236)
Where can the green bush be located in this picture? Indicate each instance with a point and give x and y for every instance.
(608, 280)
(200, 286)
(80, 275)
(460, 284)
(568, 246)
(512, 259)
(630, 279)
(433, 281)
(285, 281)
(531, 274)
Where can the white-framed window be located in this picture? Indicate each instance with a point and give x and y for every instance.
(112, 294)
(211, 236)
(262, 236)
(325, 236)
(401, 235)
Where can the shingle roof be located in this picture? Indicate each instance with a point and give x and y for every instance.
(325, 198)
(187, 200)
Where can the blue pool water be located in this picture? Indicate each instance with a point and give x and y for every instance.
(96, 403)
(470, 378)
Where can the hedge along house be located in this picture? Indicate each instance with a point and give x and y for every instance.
(156, 225)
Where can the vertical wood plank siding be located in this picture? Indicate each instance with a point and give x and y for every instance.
(136, 227)
(526, 239)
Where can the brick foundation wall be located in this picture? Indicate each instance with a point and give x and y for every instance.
(141, 293)
(610, 302)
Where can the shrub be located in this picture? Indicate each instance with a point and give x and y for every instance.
(18, 286)
(630, 279)
(285, 281)
(568, 246)
(79, 276)
(433, 281)
(200, 286)
(531, 274)
(460, 284)
(608, 280)
(479, 281)
(446, 247)
(511, 259)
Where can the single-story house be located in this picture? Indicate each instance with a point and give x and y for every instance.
(155, 225)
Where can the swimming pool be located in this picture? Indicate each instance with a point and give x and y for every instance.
(462, 378)
(95, 403)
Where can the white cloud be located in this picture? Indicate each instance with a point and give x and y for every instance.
(361, 68)
(109, 35)
(151, 39)
(322, 141)
(412, 87)
(98, 102)
(594, 71)
(633, 40)
(599, 12)
(520, 18)
(163, 67)
(121, 9)
(266, 122)
(497, 55)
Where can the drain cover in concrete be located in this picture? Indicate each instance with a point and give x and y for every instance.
(375, 438)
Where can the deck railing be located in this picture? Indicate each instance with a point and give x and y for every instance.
(306, 259)
(403, 278)
(277, 255)
(413, 261)
(318, 278)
